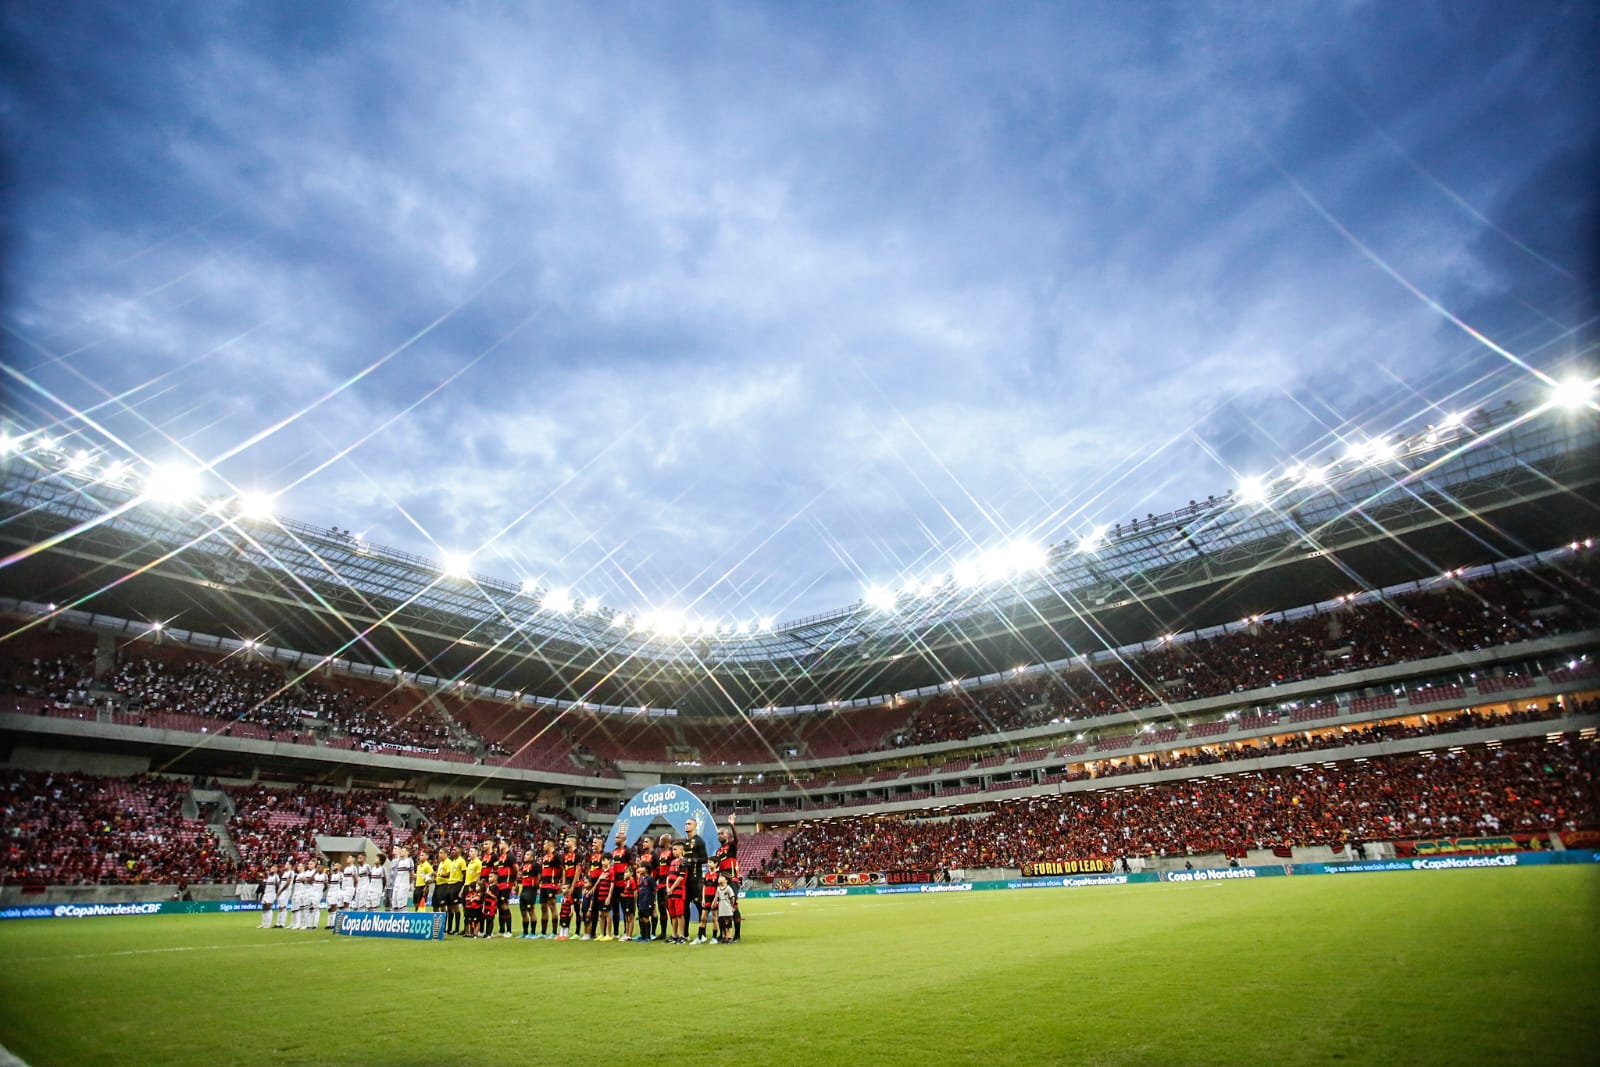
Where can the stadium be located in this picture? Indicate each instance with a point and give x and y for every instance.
(1296, 766)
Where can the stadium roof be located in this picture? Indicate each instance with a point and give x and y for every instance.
(1496, 484)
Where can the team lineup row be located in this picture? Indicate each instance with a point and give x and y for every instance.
(639, 892)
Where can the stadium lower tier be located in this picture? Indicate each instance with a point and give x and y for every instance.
(76, 829)
(1529, 787)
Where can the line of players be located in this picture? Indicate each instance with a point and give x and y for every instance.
(295, 896)
(639, 893)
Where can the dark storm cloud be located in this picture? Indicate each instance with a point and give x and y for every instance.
(741, 307)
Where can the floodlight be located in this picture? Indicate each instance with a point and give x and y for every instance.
(47, 443)
(1253, 490)
(967, 573)
(619, 620)
(1454, 419)
(8, 444)
(744, 628)
(157, 625)
(456, 565)
(1380, 450)
(80, 460)
(172, 483)
(1026, 556)
(558, 601)
(529, 586)
(1572, 393)
(766, 625)
(256, 505)
(880, 598)
(1353, 453)
(994, 564)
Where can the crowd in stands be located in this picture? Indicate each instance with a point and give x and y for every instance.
(466, 819)
(236, 690)
(1436, 724)
(180, 688)
(1527, 786)
(1482, 613)
(70, 829)
(271, 824)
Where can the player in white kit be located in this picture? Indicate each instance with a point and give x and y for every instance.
(302, 891)
(401, 872)
(269, 896)
(285, 894)
(347, 883)
(319, 890)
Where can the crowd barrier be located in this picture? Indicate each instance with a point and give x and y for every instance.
(1202, 874)
(94, 911)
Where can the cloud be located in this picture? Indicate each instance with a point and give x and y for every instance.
(742, 308)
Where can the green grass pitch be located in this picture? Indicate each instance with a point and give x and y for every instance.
(1479, 966)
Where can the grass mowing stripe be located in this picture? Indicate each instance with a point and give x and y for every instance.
(1447, 966)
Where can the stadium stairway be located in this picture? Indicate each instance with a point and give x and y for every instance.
(408, 816)
(225, 841)
(217, 807)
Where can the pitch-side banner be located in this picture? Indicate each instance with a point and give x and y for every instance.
(670, 802)
(411, 925)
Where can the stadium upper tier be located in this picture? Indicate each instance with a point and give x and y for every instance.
(1473, 490)
(1446, 643)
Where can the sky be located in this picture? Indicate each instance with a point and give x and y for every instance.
(734, 310)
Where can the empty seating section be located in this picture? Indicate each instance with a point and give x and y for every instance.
(1507, 684)
(1435, 694)
(1209, 729)
(1358, 706)
(1328, 709)
(516, 735)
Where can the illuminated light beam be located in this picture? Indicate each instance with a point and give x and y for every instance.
(288, 420)
(1383, 265)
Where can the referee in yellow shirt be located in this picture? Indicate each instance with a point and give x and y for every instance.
(424, 876)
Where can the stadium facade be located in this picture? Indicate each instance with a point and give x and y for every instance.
(1510, 490)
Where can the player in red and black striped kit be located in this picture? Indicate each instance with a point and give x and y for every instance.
(527, 874)
(598, 897)
(505, 870)
(621, 863)
(726, 861)
(663, 863)
(708, 905)
(549, 881)
(571, 873)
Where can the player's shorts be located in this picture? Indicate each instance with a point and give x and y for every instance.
(548, 896)
(419, 896)
(528, 897)
(446, 895)
(675, 907)
(603, 893)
